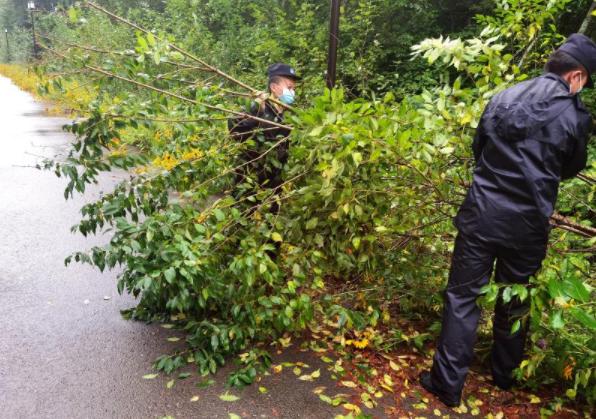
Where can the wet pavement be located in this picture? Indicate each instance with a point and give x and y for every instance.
(65, 351)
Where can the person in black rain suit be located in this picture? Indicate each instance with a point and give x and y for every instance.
(265, 171)
(530, 137)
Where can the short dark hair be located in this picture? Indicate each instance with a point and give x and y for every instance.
(561, 63)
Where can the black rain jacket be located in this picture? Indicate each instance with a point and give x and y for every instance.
(530, 137)
(268, 170)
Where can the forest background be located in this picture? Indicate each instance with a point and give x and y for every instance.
(377, 169)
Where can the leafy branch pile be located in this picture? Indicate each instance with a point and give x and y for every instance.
(364, 228)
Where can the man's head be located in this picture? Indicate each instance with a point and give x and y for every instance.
(575, 62)
(282, 82)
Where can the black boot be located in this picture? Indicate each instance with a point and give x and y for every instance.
(504, 384)
(426, 382)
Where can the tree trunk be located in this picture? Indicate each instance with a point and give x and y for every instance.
(586, 23)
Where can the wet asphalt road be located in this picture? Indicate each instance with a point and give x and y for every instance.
(65, 351)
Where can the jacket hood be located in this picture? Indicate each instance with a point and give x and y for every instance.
(528, 107)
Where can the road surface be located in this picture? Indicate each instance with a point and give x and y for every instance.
(65, 351)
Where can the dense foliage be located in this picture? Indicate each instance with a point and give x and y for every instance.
(377, 169)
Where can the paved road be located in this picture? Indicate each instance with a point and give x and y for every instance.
(65, 352)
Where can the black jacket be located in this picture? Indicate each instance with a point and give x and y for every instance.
(268, 169)
(530, 137)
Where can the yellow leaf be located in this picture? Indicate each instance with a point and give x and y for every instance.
(386, 387)
(276, 237)
(466, 119)
(534, 399)
(297, 371)
(352, 407)
(194, 399)
(437, 412)
(277, 368)
(394, 366)
(170, 384)
(319, 390)
(173, 339)
(316, 374)
(305, 377)
(349, 384)
(387, 379)
(262, 390)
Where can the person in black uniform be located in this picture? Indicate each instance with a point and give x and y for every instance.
(265, 172)
(530, 137)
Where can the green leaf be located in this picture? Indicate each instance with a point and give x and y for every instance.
(73, 15)
(576, 289)
(234, 416)
(170, 275)
(507, 295)
(515, 327)
(142, 44)
(316, 131)
(219, 214)
(312, 223)
(584, 318)
(151, 39)
(227, 397)
(556, 320)
(206, 383)
(356, 242)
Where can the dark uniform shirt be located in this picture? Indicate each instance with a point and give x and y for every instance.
(268, 169)
(530, 137)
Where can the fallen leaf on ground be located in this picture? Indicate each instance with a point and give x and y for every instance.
(319, 390)
(227, 397)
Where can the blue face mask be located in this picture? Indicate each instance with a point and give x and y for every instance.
(288, 96)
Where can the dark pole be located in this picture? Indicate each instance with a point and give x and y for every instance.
(35, 51)
(7, 46)
(333, 42)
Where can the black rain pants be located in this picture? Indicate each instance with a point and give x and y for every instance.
(471, 268)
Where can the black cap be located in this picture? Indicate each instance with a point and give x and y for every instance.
(283, 70)
(583, 49)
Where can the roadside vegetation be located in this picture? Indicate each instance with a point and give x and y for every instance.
(376, 172)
